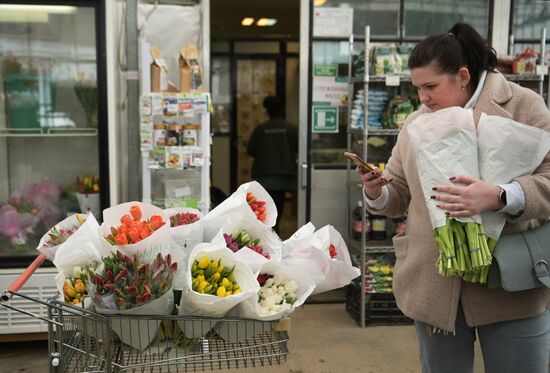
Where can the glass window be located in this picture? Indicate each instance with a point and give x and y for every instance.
(530, 16)
(381, 15)
(249, 47)
(427, 17)
(48, 121)
(221, 91)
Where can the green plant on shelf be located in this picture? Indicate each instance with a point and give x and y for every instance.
(86, 91)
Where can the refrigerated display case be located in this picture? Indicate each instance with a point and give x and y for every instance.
(53, 127)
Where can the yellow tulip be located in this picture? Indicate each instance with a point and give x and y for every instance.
(220, 292)
(236, 291)
(220, 268)
(215, 277)
(200, 278)
(225, 282)
(204, 262)
(228, 293)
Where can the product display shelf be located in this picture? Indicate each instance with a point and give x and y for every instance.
(358, 304)
(204, 144)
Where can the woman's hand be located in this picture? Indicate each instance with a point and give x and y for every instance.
(471, 198)
(373, 182)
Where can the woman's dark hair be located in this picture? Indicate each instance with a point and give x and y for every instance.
(274, 106)
(461, 47)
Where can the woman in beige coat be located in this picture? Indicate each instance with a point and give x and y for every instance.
(458, 69)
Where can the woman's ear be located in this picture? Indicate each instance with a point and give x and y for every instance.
(464, 76)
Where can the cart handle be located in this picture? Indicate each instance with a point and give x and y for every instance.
(20, 281)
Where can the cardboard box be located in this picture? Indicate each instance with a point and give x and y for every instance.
(159, 72)
(190, 71)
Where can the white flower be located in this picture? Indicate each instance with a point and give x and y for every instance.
(267, 302)
(281, 290)
(276, 308)
(277, 298)
(291, 286)
(268, 283)
(278, 280)
(77, 271)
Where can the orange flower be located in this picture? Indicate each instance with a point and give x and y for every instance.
(156, 220)
(144, 233)
(135, 211)
(133, 233)
(121, 239)
(122, 229)
(127, 220)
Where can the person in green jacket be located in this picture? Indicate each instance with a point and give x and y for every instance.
(274, 146)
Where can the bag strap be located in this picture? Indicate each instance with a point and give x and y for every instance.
(540, 265)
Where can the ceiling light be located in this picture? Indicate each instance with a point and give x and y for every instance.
(247, 21)
(60, 9)
(23, 17)
(262, 22)
(319, 2)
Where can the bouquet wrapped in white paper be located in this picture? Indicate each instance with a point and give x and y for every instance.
(136, 228)
(328, 252)
(74, 230)
(445, 144)
(249, 200)
(215, 282)
(124, 285)
(507, 150)
(252, 242)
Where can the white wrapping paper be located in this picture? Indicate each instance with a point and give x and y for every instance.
(158, 242)
(270, 242)
(445, 143)
(507, 150)
(337, 271)
(194, 303)
(236, 205)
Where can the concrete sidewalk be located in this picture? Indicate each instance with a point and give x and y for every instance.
(323, 339)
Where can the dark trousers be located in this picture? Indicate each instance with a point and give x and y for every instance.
(279, 199)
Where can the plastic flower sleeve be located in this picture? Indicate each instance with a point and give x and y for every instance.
(237, 205)
(297, 238)
(507, 150)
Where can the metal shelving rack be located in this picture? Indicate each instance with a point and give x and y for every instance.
(386, 246)
(204, 144)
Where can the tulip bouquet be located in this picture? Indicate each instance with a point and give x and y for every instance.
(74, 287)
(239, 239)
(250, 201)
(132, 229)
(58, 235)
(257, 206)
(125, 282)
(212, 278)
(183, 218)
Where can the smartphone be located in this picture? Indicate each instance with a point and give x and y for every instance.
(361, 163)
(358, 161)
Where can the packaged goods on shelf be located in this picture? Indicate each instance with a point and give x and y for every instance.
(383, 59)
(525, 62)
(377, 101)
(190, 70)
(399, 109)
(402, 55)
(358, 225)
(378, 275)
(159, 72)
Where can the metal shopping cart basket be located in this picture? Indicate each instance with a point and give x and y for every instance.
(81, 340)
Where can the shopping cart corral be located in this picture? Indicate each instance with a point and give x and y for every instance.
(81, 340)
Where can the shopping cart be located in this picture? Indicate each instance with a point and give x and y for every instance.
(81, 340)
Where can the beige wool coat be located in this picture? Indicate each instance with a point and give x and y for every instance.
(421, 293)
